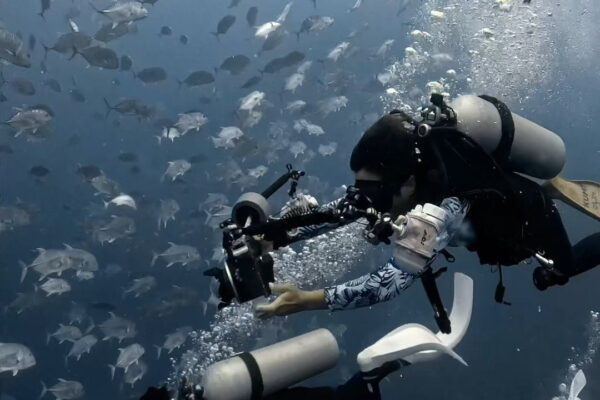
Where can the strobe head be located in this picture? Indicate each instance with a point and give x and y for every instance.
(253, 206)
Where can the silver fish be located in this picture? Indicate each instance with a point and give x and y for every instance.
(48, 262)
(142, 285)
(13, 217)
(29, 120)
(252, 100)
(25, 301)
(124, 12)
(105, 186)
(135, 372)
(65, 333)
(117, 228)
(227, 137)
(327, 149)
(174, 340)
(301, 125)
(55, 286)
(127, 356)
(81, 260)
(177, 253)
(190, 121)
(168, 209)
(15, 357)
(176, 168)
(12, 49)
(118, 328)
(81, 346)
(331, 105)
(64, 390)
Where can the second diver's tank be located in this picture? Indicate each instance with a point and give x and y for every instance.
(535, 151)
(269, 369)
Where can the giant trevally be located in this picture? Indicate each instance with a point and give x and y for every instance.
(127, 356)
(15, 357)
(98, 56)
(224, 24)
(125, 12)
(67, 42)
(12, 49)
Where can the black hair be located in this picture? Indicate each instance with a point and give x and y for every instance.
(387, 148)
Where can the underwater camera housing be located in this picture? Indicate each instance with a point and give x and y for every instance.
(248, 268)
(247, 272)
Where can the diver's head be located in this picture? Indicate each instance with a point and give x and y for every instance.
(385, 165)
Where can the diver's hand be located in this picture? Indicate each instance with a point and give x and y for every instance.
(291, 300)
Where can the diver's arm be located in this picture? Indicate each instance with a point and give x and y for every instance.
(381, 285)
(291, 300)
(391, 279)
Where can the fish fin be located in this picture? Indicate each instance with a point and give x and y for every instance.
(62, 380)
(91, 327)
(24, 268)
(216, 34)
(96, 8)
(158, 349)
(155, 256)
(112, 372)
(46, 50)
(48, 336)
(75, 52)
(44, 390)
(170, 264)
(109, 108)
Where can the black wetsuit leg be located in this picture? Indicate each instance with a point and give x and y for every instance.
(568, 260)
(586, 254)
(357, 388)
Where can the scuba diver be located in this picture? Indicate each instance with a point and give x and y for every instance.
(463, 176)
(270, 373)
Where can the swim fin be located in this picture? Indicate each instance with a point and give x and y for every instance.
(582, 195)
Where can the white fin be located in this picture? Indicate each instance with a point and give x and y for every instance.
(577, 385)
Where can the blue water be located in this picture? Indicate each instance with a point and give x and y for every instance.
(514, 352)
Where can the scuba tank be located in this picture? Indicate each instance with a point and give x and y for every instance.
(269, 369)
(528, 148)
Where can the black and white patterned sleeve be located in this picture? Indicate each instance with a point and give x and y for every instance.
(381, 285)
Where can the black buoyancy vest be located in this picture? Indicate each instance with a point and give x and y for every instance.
(507, 210)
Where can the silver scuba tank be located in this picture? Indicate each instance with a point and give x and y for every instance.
(535, 150)
(269, 369)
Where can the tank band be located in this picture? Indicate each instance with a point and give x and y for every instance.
(255, 375)
(502, 152)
